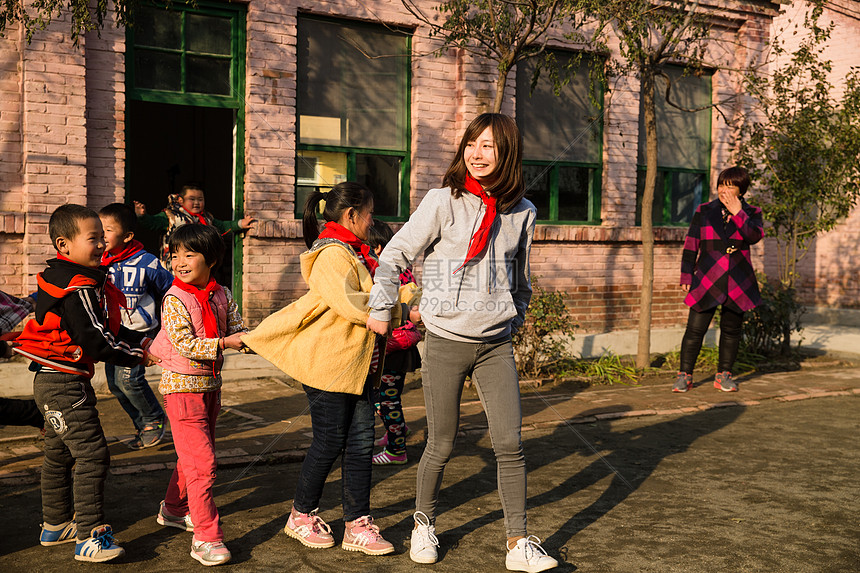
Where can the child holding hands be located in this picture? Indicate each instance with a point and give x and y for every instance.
(77, 324)
(199, 320)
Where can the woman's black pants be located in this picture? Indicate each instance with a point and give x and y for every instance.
(731, 329)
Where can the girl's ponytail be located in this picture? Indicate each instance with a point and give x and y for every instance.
(310, 225)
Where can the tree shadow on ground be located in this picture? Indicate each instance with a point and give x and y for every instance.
(629, 457)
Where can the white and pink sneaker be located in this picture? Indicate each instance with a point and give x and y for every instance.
(362, 535)
(310, 529)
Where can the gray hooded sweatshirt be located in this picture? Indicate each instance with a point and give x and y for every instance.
(485, 300)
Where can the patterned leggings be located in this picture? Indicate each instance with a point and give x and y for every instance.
(391, 411)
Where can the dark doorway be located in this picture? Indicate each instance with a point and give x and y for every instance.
(168, 146)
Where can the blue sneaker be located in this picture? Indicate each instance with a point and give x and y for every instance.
(57, 534)
(101, 546)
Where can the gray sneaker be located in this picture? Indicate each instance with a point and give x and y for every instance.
(683, 383)
(164, 518)
(723, 381)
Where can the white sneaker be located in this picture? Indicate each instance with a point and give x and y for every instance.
(527, 555)
(424, 541)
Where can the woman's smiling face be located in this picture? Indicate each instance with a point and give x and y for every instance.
(480, 157)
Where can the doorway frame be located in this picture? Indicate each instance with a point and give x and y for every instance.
(235, 101)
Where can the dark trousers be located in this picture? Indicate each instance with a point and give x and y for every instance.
(731, 329)
(133, 393)
(342, 424)
(14, 412)
(76, 452)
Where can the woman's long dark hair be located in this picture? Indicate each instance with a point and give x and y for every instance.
(507, 184)
(340, 198)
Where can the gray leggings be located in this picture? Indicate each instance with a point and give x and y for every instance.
(491, 365)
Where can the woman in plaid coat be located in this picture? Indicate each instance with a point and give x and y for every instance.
(716, 270)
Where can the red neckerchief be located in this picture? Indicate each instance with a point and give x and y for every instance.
(210, 324)
(127, 251)
(200, 217)
(114, 300)
(479, 239)
(333, 230)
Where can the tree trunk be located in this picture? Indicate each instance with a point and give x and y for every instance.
(643, 351)
(501, 83)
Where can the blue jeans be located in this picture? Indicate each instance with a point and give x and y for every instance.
(342, 423)
(131, 389)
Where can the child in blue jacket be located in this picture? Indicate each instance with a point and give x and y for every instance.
(143, 281)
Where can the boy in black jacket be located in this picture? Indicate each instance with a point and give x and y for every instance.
(77, 324)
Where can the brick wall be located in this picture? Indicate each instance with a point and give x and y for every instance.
(828, 275)
(67, 143)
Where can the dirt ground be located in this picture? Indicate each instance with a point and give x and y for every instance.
(772, 487)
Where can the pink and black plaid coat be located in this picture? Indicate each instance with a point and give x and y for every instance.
(716, 260)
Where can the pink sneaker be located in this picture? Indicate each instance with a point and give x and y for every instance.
(386, 458)
(362, 535)
(310, 529)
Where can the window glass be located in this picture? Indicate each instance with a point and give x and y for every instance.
(158, 70)
(157, 28)
(563, 126)
(182, 51)
(562, 138)
(536, 178)
(352, 102)
(573, 186)
(381, 174)
(351, 89)
(207, 75)
(684, 137)
(208, 34)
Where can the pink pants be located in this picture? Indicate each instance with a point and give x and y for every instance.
(192, 421)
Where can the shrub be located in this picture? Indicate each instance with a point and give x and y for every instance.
(541, 341)
(768, 327)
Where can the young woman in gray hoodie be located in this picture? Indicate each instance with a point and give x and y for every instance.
(475, 234)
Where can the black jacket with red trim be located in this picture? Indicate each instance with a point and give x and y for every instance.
(70, 333)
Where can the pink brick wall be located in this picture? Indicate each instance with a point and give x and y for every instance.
(67, 143)
(828, 274)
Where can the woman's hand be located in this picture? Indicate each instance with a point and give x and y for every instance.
(233, 341)
(139, 209)
(729, 199)
(380, 327)
(685, 288)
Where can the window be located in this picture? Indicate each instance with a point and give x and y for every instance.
(684, 149)
(352, 105)
(562, 142)
(180, 52)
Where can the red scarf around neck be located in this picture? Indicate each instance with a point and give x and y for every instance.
(199, 216)
(127, 251)
(210, 323)
(333, 230)
(482, 235)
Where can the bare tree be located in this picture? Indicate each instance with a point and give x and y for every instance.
(503, 31)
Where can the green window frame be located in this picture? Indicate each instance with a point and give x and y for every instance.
(684, 150)
(187, 22)
(346, 130)
(562, 139)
